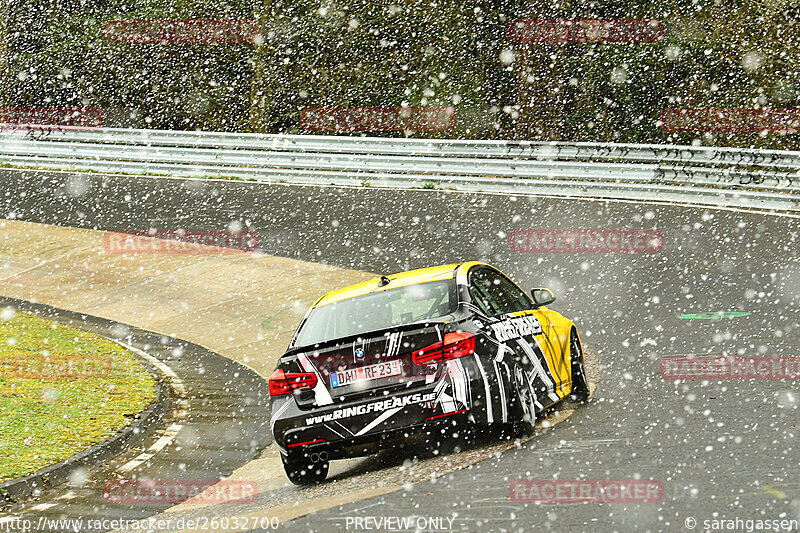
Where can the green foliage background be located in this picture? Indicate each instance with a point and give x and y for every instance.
(723, 54)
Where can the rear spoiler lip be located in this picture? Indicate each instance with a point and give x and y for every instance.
(345, 340)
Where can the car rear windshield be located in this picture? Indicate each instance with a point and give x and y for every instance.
(377, 311)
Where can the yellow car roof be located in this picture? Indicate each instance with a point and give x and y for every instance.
(402, 279)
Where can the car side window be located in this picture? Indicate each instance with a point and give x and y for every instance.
(477, 289)
(495, 294)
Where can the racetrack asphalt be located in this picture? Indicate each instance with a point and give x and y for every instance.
(720, 449)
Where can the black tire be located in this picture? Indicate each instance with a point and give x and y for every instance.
(304, 472)
(526, 402)
(580, 383)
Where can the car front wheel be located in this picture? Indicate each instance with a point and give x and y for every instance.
(580, 383)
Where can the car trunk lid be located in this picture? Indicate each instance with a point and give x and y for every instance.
(366, 365)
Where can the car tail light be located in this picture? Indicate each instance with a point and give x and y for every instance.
(281, 383)
(427, 356)
(454, 345)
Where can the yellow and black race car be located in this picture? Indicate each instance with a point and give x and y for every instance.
(375, 363)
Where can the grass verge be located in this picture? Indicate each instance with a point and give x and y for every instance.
(61, 391)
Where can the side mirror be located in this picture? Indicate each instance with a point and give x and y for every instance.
(542, 297)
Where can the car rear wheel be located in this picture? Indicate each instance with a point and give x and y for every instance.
(304, 471)
(526, 401)
(580, 383)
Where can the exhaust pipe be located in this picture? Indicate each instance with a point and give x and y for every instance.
(320, 457)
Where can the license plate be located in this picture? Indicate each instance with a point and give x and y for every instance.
(365, 373)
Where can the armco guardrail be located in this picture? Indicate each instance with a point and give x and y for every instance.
(707, 175)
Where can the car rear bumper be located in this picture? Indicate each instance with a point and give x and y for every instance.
(362, 427)
(360, 446)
